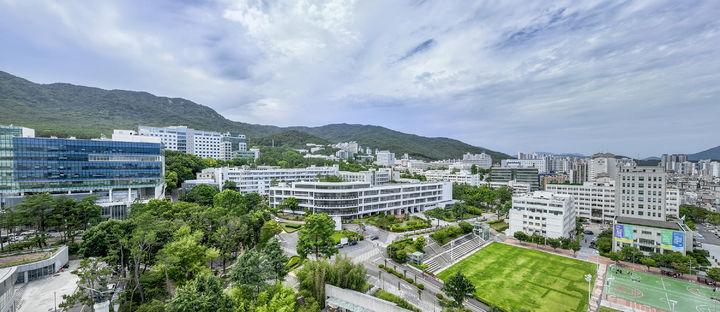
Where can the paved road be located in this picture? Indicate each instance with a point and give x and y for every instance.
(708, 237)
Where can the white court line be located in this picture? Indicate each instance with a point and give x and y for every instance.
(666, 296)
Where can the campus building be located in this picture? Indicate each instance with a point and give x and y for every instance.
(647, 216)
(481, 160)
(118, 173)
(352, 200)
(259, 180)
(522, 175)
(456, 176)
(372, 176)
(7, 289)
(205, 144)
(233, 145)
(385, 158)
(594, 201)
(538, 164)
(547, 214)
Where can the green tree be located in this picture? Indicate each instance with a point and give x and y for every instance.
(185, 257)
(230, 185)
(615, 256)
(230, 201)
(419, 243)
(466, 227)
(289, 203)
(473, 169)
(38, 208)
(648, 262)
(521, 236)
(203, 294)
(202, 194)
(554, 242)
(458, 287)
(171, 180)
(250, 271)
(315, 236)
(95, 278)
(631, 254)
(714, 273)
(276, 259)
(575, 246)
(269, 230)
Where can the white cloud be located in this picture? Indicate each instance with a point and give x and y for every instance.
(630, 77)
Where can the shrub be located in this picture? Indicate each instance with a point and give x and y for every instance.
(420, 286)
(439, 296)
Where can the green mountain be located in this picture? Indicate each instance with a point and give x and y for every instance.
(64, 110)
(291, 138)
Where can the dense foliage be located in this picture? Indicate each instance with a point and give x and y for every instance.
(399, 249)
(484, 196)
(445, 235)
(457, 211)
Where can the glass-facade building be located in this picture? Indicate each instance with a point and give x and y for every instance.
(119, 173)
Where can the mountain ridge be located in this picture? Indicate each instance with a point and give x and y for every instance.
(64, 110)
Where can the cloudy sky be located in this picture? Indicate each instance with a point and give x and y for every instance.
(637, 78)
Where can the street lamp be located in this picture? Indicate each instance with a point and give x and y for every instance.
(588, 278)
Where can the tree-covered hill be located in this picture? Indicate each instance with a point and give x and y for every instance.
(64, 110)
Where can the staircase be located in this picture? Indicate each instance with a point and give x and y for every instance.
(451, 252)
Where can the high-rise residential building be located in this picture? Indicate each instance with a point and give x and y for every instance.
(385, 158)
(205, 144)
(647, 217)
(538, 164)
(579, 174)
(353, 200)
(259, 180)
(118, 173)
(547, 214)
(481, 160)
(522, 175)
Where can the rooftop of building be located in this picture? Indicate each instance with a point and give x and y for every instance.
(650, 223)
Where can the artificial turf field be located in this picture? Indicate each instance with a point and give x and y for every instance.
(655, 291)
(518, 278)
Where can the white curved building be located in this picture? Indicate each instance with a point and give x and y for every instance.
(351, 200)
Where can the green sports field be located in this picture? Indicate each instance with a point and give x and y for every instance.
(518, 278)
(657, 291)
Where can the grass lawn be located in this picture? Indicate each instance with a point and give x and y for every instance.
(290, 227)
(657, 291)
(517, 278)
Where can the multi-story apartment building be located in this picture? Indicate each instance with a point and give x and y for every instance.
(372, 176)
(522, 175)
(594, 201)
(118, 173)
(260, 179)
(385, 158)
(646, 218)
(352, 200)
(205, 144)
(544, 213)
(538, 164)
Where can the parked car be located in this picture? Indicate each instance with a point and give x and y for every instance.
(588, 232)
(339, 245)
(352, 243)
(374, 237)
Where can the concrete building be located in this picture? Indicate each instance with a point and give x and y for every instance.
(522, 175)
(352, 200)
(481, 160)
(646, 218)
(602, 165)
(260, 179)
(117, 173)
(385, 158)
(464, 177)
(231, 144)
(538, 164)
(205, 144)
(372, 176)
(347, 300)
(8, 276)
(544, 213)
(594, 201)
